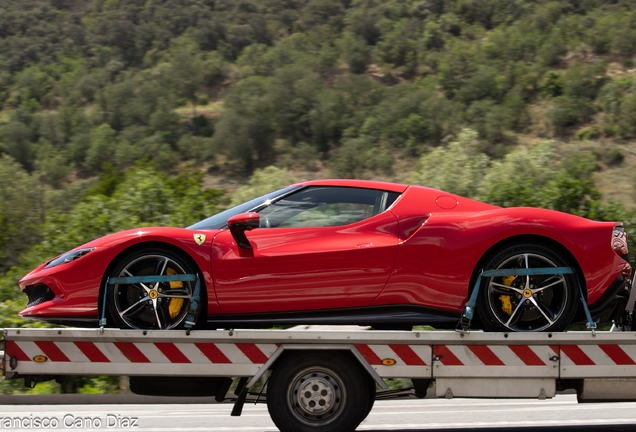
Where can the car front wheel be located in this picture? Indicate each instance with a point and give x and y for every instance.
(158, 305)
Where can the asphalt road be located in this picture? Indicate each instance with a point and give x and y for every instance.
(561, 414)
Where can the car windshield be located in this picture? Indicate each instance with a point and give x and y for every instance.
(219, 220)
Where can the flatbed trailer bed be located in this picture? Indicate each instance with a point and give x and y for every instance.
(326, 380)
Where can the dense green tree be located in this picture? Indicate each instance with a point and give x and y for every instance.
(52, 165)
(196, 148)
(397, 46)
(626, 115)
(490, 120)
(569, 111)
(355, 158)
(245, 131)
(33, 88)
(164, 122)
(517, 179)
(355, 52)
(293, 94)
(16, 138)
(410, 116)
(101, 149)
(322, 12)
(21, 211)
(187, 75)
(457, 168)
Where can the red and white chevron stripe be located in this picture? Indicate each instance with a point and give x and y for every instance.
(129, 352)
(251, 353)
(495, 361)
(494, 355)
(398, 360)
(598, 361)
(598, 355)
(389, 360)
(404, 355)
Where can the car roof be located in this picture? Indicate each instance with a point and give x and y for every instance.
(364, 184)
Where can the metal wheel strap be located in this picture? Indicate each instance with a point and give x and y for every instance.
(469, 308)
(102, 318)
(191, 319)
(152, 279)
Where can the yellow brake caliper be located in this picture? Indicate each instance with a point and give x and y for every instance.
(506, 304)
(175, 304)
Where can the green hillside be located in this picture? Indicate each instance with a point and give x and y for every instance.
(238, 84)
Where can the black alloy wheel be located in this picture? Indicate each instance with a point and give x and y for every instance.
(148, 306)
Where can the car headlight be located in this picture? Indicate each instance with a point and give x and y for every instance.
(68, 257)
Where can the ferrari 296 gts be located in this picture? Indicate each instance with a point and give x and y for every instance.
(371, 253)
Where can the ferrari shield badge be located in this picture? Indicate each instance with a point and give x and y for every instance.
(199, 238)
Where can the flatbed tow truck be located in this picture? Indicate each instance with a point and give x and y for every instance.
(328, 380)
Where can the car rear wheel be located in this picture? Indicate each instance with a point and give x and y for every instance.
(527, 303)
(159, 305)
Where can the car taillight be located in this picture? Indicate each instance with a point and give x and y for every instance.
(619, 242)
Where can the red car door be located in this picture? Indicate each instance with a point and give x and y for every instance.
(293, 268)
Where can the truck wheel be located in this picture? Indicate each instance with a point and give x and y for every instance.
(527, 303)
(318, 392)
(161, 306)
(371, 400)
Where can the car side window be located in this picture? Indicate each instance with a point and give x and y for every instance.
(326, 206)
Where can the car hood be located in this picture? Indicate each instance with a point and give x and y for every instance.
(143, 234)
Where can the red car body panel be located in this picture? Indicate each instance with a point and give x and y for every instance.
(437, 262)
(422, 251)
(305, 268)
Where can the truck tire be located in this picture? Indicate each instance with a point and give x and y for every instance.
(318, 391)
(371, 400)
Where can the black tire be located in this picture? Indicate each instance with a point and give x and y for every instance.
(527, 303)
(318, 392)
(162, 306)
(371, 400)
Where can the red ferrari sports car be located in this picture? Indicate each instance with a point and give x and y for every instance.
(344, 252)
